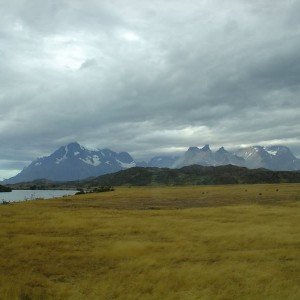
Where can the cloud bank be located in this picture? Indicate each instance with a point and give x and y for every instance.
(147, 78)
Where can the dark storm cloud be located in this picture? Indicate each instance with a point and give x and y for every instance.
(147, 78)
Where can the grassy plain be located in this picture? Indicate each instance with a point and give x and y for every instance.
(205, 242)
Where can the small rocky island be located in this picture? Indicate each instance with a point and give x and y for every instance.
(4, 189)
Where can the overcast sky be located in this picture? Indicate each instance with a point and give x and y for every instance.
(147, 77)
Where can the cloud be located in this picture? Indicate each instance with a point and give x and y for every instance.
(157, 78)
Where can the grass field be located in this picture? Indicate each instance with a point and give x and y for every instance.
(206, 242)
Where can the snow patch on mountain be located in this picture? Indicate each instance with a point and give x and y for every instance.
(59, 160)
(93, 161)
(248, 154)
(126, 165)
(271, 152)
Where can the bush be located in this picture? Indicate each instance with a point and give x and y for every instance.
(5, 189)
(80, 192)
(5, 202)
(102, 189)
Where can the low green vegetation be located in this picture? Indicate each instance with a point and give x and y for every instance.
(190, 175)
(194, 242)
(99, 189)
(4, 189)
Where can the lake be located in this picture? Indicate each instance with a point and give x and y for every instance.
(23, 195)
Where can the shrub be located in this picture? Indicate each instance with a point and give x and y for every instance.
(102, 189)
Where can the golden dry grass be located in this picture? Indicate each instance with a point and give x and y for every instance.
(228, 243)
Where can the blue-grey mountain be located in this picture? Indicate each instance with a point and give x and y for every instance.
(163, 161)
(277, 158)
(205, 157)
(74, 162)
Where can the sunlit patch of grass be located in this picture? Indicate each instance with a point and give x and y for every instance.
(135, 243)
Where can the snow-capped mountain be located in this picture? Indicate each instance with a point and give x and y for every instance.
(254, 156)
(74, 162)
(272, 157)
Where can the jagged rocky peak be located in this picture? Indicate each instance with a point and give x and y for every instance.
(194, 149)
(206, 148)
(279, 151)
(74, 147)
(125, 157)
(68, 150)
(222, 150)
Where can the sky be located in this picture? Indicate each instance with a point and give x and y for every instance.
(147, 77)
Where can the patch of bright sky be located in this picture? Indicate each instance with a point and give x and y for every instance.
(70, 52)
(286, 142)
(5, 174)
(18, 27)
(129, 36)
(62, 52)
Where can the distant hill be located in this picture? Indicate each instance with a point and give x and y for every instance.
(193, 175)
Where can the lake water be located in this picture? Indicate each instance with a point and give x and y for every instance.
(22, 195)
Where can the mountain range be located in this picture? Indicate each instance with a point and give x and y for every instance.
(75, 162)
(277, 158)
